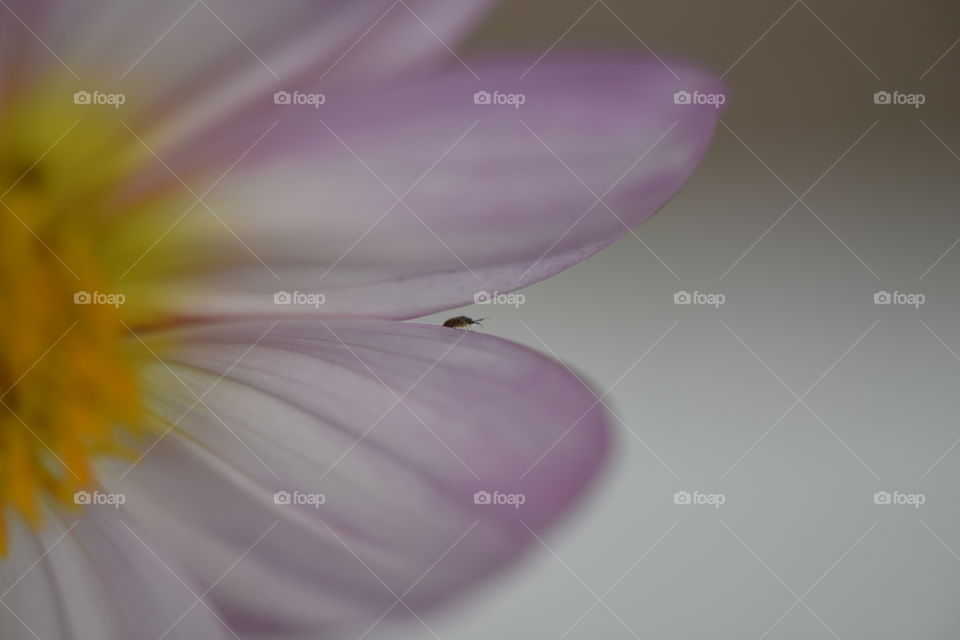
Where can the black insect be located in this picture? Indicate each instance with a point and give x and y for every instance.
(463, 322)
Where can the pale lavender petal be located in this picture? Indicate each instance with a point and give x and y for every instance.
(95, 578)
(183, 64)
(304, 412)
(494, 197)
(16, 39)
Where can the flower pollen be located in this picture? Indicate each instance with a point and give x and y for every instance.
(69, 388)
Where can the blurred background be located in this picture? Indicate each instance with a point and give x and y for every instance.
(798, 398)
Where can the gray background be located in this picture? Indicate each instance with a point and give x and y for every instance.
(799, 549)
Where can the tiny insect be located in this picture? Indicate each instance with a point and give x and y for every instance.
(463, 322)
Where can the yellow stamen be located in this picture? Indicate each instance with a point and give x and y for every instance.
(69, 366)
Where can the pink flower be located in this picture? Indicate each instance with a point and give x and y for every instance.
(214, 216)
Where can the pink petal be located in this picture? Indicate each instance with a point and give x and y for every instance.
(303, 412)
(184, 64)
(507, 196)
(16, 40)
(95, 579)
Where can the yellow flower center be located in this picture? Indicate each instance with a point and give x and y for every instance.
(69, 361)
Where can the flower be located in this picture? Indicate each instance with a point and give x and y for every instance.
(214, 216)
